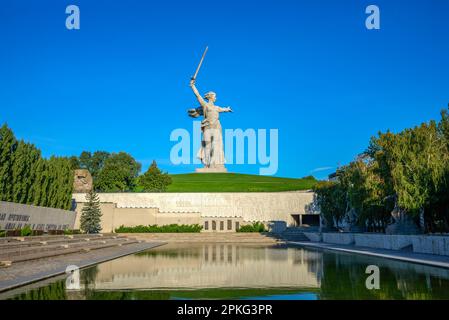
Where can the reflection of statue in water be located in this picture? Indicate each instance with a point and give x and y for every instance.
(211, 152)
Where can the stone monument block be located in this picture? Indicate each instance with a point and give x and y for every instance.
(83, 181)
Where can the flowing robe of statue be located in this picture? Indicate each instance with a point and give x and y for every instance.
(211, 152)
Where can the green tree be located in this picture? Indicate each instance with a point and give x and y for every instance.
(26, 177)
(413, 162)
(38, 195)
(154, 180)
(93, 162)
(8, 145)
(365, 192)
(74, 162)
(118, 174)
(443, 126)
(420, 159)
(437, 212)
(90, 221)
(330, 197)
(23, 168)
(60, 183)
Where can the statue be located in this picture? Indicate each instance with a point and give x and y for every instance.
(402, 222)
(211, 152)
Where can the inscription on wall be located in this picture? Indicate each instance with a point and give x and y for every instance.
(15, 216)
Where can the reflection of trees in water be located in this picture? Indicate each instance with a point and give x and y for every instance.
(128, 295)
(52, 291)
(311, 258)
(171, 253)
(344, 278)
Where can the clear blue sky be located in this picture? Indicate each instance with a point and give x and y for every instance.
(309, 68)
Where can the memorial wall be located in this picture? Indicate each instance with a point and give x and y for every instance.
(131, 209)
(16, 216)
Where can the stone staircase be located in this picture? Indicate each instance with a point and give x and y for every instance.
(293, 234)
(18, 249)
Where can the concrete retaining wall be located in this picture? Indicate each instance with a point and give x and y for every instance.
(338, 238)
(17, 216)
(437, 245)
(431, 244)
(382, 241)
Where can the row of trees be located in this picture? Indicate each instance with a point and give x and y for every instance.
(26, 177)
(119, 172)
(404, 176)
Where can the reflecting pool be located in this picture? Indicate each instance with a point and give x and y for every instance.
(239, 271)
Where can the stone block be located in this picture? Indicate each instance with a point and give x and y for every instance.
(438, 245)
(382, 241)
(338, 238)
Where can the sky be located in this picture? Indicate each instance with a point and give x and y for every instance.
(310, 69)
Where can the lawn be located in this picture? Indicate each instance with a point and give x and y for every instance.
(233, 182)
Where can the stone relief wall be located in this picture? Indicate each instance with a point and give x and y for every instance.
(16, 216)
(82, 181)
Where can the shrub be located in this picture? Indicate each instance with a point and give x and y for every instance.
(2, 233)
(171, 228)
(255, 227)
(70, 232)
(26, 231)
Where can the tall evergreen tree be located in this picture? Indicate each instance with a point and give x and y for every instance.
(20, 170)
(26, 177)
(91, 214)
(8, 145)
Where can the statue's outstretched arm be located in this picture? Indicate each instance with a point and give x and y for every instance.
(197, 94)
(224, 109)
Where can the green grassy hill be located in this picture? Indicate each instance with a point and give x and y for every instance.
(233, 182)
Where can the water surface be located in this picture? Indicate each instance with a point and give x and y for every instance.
(238, 271)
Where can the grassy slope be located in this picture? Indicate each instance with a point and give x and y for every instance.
(232, 182)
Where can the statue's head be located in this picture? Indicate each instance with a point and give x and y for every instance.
(210, 96)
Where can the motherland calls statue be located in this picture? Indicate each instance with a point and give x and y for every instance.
(211, 152)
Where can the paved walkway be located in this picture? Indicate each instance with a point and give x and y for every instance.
(22, 273)
(426, 259)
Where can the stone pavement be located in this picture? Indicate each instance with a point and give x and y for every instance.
(26, 272)
(402, 255)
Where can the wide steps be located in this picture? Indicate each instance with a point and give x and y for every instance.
(293, 234)
(53, 247)
(7, 240)
(68, 249)
(38, 242)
